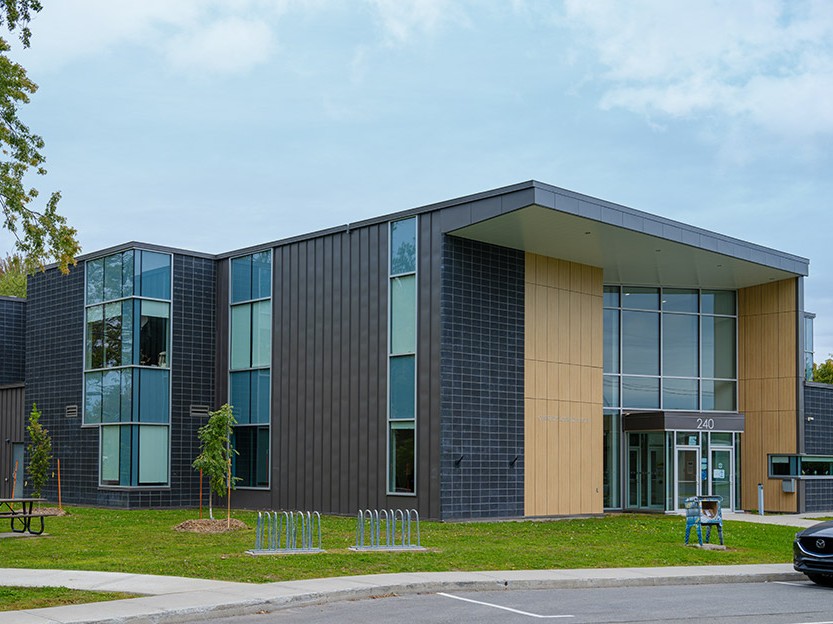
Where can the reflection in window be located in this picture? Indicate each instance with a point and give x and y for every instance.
(251, 463)
(153, 334)
(402, 444)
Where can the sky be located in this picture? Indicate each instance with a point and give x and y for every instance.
(213, 126)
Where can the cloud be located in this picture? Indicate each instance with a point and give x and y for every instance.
(767, 64)
(222, 46)
(188, 34)
(402, 21)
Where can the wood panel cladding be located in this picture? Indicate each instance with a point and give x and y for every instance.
(563, 426)
(768, 317)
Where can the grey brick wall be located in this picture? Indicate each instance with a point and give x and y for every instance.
(54, 370)
(482, 366)
(54, 373)
(818, 440)
(12, 340)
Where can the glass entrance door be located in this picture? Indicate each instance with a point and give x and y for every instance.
(722, 476)
(688, 474)
(646, 467)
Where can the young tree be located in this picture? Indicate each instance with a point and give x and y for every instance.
(40, 452)
(41, 234)
(13, 276)
(216, 452)
(823, 373)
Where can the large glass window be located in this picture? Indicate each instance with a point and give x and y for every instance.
(134, 456)
(250, 360)
(402, 402)
(681, 357)
(126, 355)
(640, 343)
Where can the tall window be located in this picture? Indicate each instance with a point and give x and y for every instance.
(126, 356)
(402, 358)
(808, 345)
(670, 349)
(250, 357)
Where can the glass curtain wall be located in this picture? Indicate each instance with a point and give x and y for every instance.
(127, 341)
(250, 361)
(664, 349)
(402, 325)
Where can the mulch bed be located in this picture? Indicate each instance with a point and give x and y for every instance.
(206, 525)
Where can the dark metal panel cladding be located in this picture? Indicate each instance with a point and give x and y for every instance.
(12, 430)
(329, 431)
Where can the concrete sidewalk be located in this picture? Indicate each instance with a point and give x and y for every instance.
(169, 599)
(174, 599)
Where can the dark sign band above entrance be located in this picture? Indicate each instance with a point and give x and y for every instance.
(683, 421)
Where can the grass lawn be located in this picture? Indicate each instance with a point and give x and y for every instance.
(15, 598)
(144, 542)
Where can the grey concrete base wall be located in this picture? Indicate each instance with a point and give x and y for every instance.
(12, 340)
(818, 440)
(482, 366)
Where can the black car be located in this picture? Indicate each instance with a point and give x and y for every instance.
(813, 553)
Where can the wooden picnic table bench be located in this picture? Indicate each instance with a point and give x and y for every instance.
(22, 516)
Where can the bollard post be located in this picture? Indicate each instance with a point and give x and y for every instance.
(760, 499)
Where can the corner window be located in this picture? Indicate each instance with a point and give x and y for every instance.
(126, 357)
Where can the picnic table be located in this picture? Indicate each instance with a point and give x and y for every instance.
(23, 515)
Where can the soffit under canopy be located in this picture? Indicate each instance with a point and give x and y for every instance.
(667, 254)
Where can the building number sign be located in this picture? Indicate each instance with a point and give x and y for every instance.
(705, 423)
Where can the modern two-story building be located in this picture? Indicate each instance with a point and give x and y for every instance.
(526, 351)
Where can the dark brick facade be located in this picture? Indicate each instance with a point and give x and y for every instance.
(482, 381)
(818, 440)
(12, 340)
(54, 366)
(54, 380)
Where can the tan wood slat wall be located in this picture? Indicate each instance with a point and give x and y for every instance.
(768, 318)
(563, 388)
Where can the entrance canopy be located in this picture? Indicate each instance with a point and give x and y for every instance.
(683, 421)
(632, 247)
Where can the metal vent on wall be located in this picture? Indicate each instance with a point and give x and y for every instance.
(72, 411)
(199, 411)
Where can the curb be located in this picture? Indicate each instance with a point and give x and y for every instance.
(190, 606)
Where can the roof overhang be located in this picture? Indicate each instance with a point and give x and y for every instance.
(631, 247)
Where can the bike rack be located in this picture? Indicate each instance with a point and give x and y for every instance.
(399, 527)
(287, 533)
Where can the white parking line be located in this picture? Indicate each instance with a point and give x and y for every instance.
(797, 584)
(494, 606)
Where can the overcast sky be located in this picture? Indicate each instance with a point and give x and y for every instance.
(217, 125)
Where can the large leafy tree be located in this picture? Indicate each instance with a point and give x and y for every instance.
(41, 233)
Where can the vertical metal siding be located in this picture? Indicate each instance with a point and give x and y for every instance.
(12, 430)
(329, 420)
